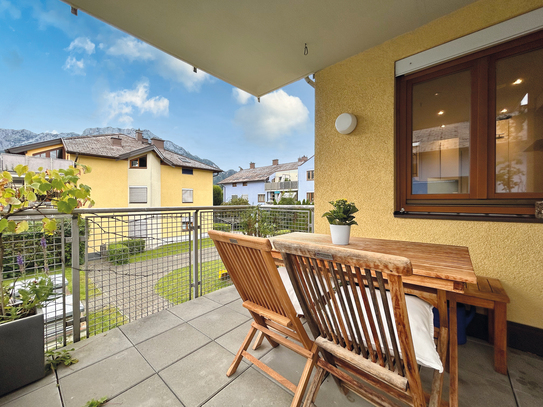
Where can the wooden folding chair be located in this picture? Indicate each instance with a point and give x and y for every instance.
(354, 323)
(252, 269)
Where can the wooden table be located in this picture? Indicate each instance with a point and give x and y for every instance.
(435, 267)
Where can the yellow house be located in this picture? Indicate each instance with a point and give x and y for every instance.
(132, 172)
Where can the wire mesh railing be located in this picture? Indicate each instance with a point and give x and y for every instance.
(128, 263)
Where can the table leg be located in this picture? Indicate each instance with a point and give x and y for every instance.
(453, 354)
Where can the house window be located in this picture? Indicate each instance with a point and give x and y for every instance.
(234, 197)
(310, 175)
(187, 171)
(246, 197)
(140, 162)
(244, 184)
(55, 153)
(261, 197)
(470, 133)
(137, 195)
(311, 197)
(187, 196)
(234, 185)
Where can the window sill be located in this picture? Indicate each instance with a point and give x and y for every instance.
(469, 217)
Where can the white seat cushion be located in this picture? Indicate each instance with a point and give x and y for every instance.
(421, 321)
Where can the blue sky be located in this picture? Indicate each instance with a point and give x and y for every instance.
(62, 73)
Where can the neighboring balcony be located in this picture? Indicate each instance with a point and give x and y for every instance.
(281, 186)
(9, 161)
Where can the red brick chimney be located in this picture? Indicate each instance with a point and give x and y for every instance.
(139, 135)
(116, 141)
(252, 166)
(275, 162)
(302, 159)
(158, 143)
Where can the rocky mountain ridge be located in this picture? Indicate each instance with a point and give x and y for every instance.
(11, 138)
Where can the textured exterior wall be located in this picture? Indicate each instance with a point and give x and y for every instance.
(173, 181)
(305, 186)
(251, 190)
(108, 180)
(360, 166)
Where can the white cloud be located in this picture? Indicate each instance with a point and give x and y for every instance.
(74, 66)
(241, 96)
(278, 114)
(168, 67)
(121, 104)
(6, 6)
(81, 44)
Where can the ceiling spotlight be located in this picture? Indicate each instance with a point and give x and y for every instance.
(440, 112)
(517, 82)
(503, 111)
(442, 125)
(436, 94)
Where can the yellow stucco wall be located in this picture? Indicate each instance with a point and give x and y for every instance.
(173, 181)
(360, 166)
(108, 181)
(39, 150)
(146, 177)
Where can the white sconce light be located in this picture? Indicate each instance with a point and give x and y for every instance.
(346, 123)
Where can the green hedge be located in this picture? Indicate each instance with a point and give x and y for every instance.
(117, 253)
(134, 245)
(223, 227)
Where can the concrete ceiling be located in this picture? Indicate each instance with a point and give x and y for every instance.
(258, 45)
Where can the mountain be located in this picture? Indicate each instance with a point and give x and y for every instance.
(11, 138)
(223, 175)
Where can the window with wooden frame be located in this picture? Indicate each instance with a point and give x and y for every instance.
(261, 197)
(244, 184)
(234, 185)
(140, 162)
(310, 196)
(54, 153)
(310, 175)
(470, 134)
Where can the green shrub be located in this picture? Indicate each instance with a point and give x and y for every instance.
(134, 245)
(282, 232)
(223, 227)
(117, 253)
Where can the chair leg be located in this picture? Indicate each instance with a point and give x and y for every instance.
(304, 380)
(491, 316)
(314, 388)
(258, 341)
(239, 355)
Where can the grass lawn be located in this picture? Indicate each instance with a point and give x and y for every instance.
(169, 250)
(105, 319)
(175, 286)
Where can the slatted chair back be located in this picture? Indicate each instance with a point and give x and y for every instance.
(251, 267)
(345, 297)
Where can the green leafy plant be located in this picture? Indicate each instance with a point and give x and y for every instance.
(342, 214)
(237, 201)
(96, 403)
(55, 358)
(62, 189)
(135, 246)
(256, 222)
(217, 195)
(223, 227)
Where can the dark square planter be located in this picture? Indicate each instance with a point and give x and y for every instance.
(21, 353)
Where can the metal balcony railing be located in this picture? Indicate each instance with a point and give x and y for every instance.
(281, 186)
(122, 264)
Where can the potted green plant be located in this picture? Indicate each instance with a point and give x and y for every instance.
(21, 322)
(341, 218)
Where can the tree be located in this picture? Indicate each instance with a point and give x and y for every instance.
(217, 195)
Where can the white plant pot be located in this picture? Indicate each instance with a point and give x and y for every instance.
(340, 234)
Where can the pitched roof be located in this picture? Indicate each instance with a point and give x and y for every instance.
(102, 146)
(260, 173)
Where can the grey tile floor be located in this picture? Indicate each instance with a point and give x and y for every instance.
(179, 357)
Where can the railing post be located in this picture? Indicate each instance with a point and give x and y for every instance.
(75, 280)
(195, 265)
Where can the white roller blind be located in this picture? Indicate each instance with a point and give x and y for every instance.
(137, 195)
(187, 196)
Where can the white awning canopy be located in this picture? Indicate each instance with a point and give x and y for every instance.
(258, 45)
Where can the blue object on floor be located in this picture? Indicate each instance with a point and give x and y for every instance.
(463, 318)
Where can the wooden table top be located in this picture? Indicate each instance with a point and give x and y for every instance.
(434, 265)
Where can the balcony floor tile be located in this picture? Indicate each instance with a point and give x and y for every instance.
(218, 322)
(152, 325)
(151, 392)
(46, 396)
(194, 308)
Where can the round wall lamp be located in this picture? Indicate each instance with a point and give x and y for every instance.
(346, 123)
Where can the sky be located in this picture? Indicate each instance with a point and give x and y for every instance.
(66, 73)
